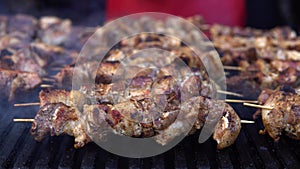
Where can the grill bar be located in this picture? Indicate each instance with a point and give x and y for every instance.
(66, 159)
(90, 155)
(245, 158)
(268, 160)
(10, 159)
(26, 156)
(224, 159)
(285, 155)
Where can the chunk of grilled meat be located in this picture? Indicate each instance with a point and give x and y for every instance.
(35, 57)
(24, 60)
(87, 70)
(284, 118)
(57, 119)
(228, 126)
(48, 55)
(73, 98)
(54, 31)
(12, 81)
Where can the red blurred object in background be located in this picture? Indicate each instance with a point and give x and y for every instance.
(229, 12)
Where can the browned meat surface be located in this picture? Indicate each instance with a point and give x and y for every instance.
(24, 60)
(35, 58)
(228, 128)
(64, 77)
(54, 31)
(73, 98)
(266, 74)
(54, 96)
(229, 125)
(48, 55)
(57, 119)
(106, 71)
(13, 81)
(284, 118)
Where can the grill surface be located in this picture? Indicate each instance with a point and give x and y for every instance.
(251, 150)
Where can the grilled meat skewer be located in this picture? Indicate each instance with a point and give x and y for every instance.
(284, 118)
(58, 118)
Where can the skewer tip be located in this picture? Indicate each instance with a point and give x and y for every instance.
(240, 101)
(258, 106)
(46, 86)
(247, 121)
(229, 93)
(23, 120)
(48, 80)
(233, 68)
(26, 104)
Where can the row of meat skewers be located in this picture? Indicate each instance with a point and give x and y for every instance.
(63, 112)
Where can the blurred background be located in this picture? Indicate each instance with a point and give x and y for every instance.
(264, 14)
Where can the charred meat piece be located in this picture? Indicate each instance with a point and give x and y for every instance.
(53, 96)
(86, 72)
(47, 55)
(284, 118)
(23, 60)
(64, 77)
(35, 58)
(267, 74)
(54, 31)
(13, 81)
(106, 71)
(73, 98)
(228, 126)
(57, 119)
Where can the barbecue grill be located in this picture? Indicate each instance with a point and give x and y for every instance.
(18, 149)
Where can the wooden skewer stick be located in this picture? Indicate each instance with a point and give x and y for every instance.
(23, 120)
(247, 121)
(48, 79)
(46, 86)
(240, 101)
(233, 68)
(32, 120)
(26, 104)
(258, 106)
(229, 93)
